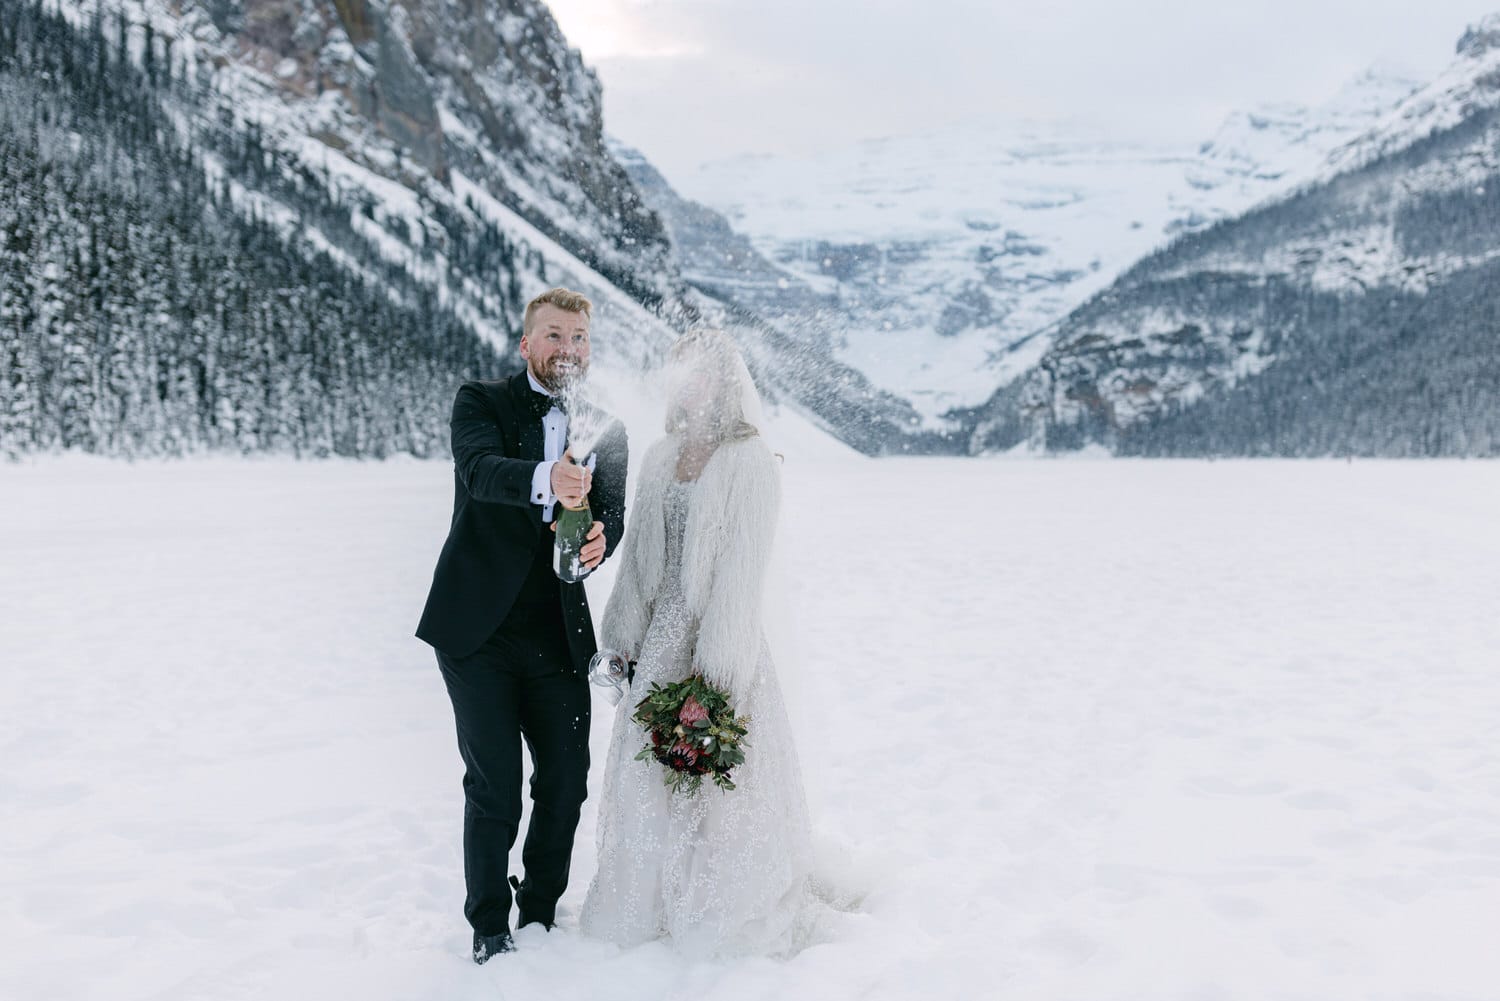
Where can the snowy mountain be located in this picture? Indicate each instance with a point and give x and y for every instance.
(445, 118)
(1258, 152)
(937, 264)
(1470, 84)
(377, 188)
(150, 305)
(1356, 314)
(293, 225)
(448, 156)
(733, 286)
(452, 101)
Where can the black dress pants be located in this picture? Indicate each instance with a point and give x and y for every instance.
(520, 684)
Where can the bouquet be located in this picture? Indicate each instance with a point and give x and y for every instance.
(693, 731)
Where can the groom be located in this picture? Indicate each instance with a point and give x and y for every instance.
(513, 642)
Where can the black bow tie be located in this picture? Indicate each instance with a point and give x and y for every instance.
(540, 403)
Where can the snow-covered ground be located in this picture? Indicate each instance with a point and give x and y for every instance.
(1087, 729)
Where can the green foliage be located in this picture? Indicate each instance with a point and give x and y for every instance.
(692, 731)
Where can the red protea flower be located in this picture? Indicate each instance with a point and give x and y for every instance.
(691, 712)
(682, 756)
(657, 739)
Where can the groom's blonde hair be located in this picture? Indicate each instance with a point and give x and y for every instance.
(563, 298)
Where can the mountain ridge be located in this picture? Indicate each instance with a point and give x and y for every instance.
(1372, 283)
(939, 265)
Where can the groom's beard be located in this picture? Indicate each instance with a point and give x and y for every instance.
(560, 374)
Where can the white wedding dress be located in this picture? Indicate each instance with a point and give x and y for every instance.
(718, 872)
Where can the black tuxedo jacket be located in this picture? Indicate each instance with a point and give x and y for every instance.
(497, 441)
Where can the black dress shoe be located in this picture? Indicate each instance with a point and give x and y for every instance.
(486, 946)
(523, 918)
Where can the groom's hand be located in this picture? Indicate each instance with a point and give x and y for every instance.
(570, 482)
(592, 553)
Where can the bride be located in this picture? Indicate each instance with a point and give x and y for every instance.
(719, 872)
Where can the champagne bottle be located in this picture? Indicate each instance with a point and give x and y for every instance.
(573, 524)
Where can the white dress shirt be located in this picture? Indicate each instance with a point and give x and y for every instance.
(554, 443)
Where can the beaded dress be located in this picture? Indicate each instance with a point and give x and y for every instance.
(718, 872)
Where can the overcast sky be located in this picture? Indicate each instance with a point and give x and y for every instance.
(688, 81)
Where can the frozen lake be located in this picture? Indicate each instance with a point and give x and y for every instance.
(1087, 729)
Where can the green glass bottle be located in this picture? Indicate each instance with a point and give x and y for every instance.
(573, 526)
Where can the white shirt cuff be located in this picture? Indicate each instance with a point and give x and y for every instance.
(541, 484)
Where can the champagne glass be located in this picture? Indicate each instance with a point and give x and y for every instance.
(610, 670)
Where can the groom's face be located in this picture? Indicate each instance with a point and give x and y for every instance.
(556, 348)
